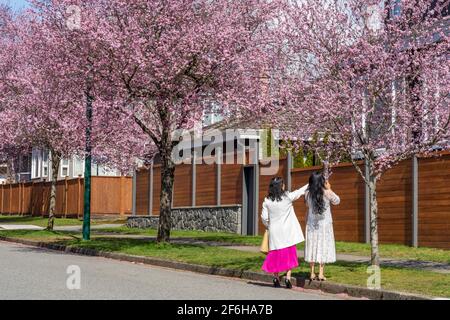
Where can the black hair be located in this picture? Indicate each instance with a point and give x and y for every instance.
(315, 192)
(276, 191)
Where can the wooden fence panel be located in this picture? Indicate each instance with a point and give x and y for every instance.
(60, 210)
(394, 195)
(156, 189)
(2, 187)
(348, 217)
(142, 189)
(36, 199)
(26, 200)
(108, 195)
(231, 184)
(7, 199)
(126, 196)
(75, 190)
(206, 185)
(45, 199)
(434, 202)
(182, 196)
(15, 199)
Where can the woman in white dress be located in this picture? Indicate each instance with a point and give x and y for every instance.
(320, 247)
(285, 233)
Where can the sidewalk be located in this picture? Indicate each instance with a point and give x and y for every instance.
(80, 227)
(10, 227)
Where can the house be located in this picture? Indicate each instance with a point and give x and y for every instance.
(3, 173)
(39, 167)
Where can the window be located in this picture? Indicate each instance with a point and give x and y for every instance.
(78, 166)
(396, 9)
(36, 164)
(64, 168)
(44, 164)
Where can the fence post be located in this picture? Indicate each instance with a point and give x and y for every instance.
(150, 190)
(32, 197)
(415, 201)
(257, 176)
(133, 203)
(194, 178)
(10, 198)
(289, 166)
(121, 195)
(78, 197)
(23, 199)
(43, 186)
(3, 198)
(219, 176)
(367, 206)
(66, 196)
(20, 198)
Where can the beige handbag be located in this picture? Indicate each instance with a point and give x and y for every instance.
(265, 243)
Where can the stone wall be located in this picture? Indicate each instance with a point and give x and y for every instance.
(209, 219)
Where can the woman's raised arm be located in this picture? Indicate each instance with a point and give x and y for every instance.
(297, 194)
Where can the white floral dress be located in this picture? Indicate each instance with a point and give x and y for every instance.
(320, 246)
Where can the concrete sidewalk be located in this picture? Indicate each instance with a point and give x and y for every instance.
(93, 227)
(10, 227)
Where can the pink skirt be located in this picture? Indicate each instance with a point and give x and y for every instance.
(281, 260)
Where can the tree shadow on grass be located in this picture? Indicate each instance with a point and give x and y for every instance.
(17, 219)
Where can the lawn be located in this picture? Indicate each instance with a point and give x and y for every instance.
(386, 250)
(42, 222)
(396, 279)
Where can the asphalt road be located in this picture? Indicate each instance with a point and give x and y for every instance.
(32, 273)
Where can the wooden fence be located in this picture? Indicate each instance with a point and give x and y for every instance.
(110, 196)
(395, 197)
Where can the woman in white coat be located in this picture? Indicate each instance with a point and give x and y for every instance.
(284, 230)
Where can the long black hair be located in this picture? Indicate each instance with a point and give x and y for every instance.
(276, 190)
(315, 192)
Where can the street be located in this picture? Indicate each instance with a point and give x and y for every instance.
(32, 273)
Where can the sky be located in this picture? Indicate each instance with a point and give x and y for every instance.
(15, 4)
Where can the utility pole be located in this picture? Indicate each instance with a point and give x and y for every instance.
(87, 170)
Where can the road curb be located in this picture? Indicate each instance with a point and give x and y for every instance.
(327, 287)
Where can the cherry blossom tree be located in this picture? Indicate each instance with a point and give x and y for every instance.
(371, 77)
(10, 147)
(51, 81)
(170, 60)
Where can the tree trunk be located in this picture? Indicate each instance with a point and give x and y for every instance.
(56, 159)
(375, 255)
(167, 179)
(10, 172)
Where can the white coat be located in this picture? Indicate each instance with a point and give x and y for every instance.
(280, 219)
